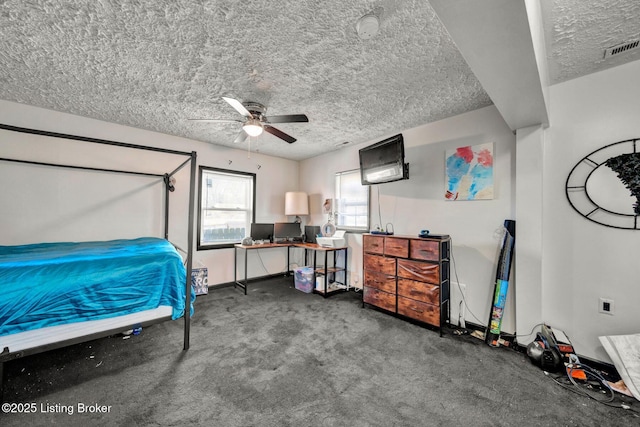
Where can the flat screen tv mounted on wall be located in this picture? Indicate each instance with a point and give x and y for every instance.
(383, 161)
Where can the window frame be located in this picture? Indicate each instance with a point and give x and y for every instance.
(351, 229)
(202, 169)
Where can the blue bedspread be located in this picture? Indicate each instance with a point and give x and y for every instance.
(56, 283)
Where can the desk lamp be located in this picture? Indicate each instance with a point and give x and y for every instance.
(296, 203)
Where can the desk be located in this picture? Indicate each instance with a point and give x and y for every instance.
(324, 270)
(248, 248)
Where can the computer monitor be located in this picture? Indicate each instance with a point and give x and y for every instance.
(262, 232)
(287, 231)
(310, 233)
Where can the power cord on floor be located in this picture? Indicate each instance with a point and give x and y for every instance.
(582, 379)
(593, 387)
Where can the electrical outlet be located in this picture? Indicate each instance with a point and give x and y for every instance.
(605, 306)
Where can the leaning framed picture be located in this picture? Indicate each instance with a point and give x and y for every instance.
(200, 280)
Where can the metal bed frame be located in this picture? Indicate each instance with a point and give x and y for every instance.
(6, 354)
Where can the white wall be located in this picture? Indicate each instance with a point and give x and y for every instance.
(44, 204)
(419, 203)
(528, 260)
(584, 261)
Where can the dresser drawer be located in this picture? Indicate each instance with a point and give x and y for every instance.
(417, 270)
(428, 250)
(420, 291)
(379, 298)
(394, 246)
(373, 244)
(380, 264)
(381, 281)
(419, 310)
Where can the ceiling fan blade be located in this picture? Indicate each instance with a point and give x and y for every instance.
(216, 120)
(277, 132)
(290, 118)
(241, 137)
(237, 105)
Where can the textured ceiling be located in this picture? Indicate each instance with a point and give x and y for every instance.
(154, 64)
(578, 32)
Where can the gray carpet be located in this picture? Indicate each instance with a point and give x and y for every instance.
(280, 357)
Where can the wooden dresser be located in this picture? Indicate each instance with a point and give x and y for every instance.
(408, 276)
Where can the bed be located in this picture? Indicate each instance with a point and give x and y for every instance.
(51, 284)
(58, 294)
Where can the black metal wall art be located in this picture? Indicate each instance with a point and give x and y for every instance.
(604, 186)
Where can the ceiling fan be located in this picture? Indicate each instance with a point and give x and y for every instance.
(257, 121)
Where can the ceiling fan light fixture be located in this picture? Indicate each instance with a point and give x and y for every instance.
(253, 127)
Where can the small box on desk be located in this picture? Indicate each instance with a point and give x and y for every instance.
(304, 279)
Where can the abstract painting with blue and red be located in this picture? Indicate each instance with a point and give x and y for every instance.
(469, 172)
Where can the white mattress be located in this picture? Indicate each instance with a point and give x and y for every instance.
(52, 334)
(624, 351)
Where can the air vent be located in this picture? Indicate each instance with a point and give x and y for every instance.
(621, 48)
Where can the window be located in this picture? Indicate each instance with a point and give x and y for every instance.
(226, 208)
(352, 202)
